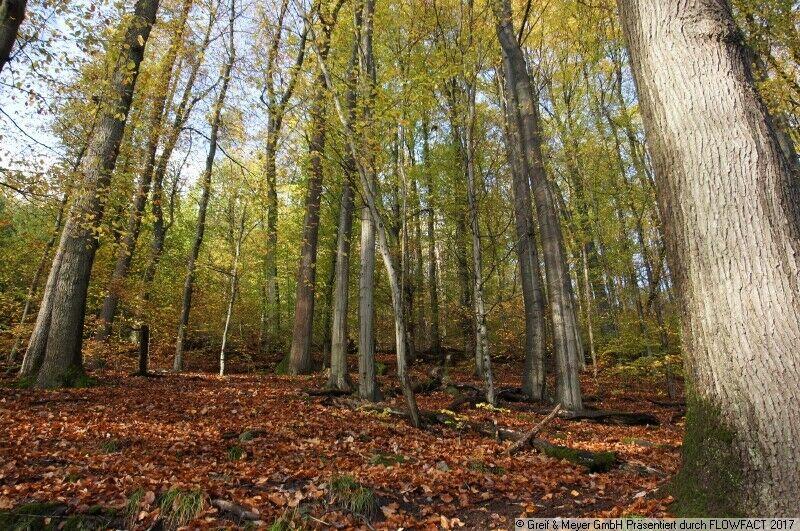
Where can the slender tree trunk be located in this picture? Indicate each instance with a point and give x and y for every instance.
(435, 339)
(481, 333)
(367, 383)
(12, 13)
(524, 109)
(38, 275)
(205, 180)
(154, 127)
(234, 286)
(339, 378)
(730, 200)
(55, 347)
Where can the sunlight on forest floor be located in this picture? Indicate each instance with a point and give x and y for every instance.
(262, 443)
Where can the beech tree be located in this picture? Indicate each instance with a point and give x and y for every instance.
(12, 13)
(730, 200)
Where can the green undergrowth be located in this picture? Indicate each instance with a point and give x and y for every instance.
(352, 496)
(179, 507)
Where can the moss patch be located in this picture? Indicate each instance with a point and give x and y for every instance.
(710, 481)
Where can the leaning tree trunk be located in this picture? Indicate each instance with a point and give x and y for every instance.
(191, 265)
(730, 200)
(12, 13)
(54, 352)
(524, 110)
(154, 126)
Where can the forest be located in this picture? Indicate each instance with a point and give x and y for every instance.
(397, 264)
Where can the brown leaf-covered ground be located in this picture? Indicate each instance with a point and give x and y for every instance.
(100, 445)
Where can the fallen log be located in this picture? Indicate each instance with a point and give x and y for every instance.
(536, 429)
(617, 418)
(513, 394)
(593, 461)
(238, 511)
(327, 392)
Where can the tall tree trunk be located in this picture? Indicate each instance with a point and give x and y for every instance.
(730, 200)
(340, 378)
(533, 376)
(276, 109)
(524, 108)
(237, 249)
(435, 339)
(370, 195)
(154, 128)
(12, 13)
(481, 332)
(205, 180)
(367, 383)
(55, 347)
(302, 331)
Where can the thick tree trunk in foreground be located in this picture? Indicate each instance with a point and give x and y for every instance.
(154, 125)
(205, 180)
(730, 200)
(524, 110)
(12, 13)
(55, 349)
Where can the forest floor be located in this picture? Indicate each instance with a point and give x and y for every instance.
(137, 452)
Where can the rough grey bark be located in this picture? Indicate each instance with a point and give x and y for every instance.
(154, 127)
(205, 181)
(730, 201)
(55, 347)
(525, 113)
(12, 13)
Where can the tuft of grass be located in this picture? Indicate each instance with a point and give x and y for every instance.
(483, 468)
(387, 459)
(132, 506)
(247, 436)
(352, 496)
(282, 367)
(235, 453)
(30, 516)
(290, 520)
(179, 507)
(110, 446)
